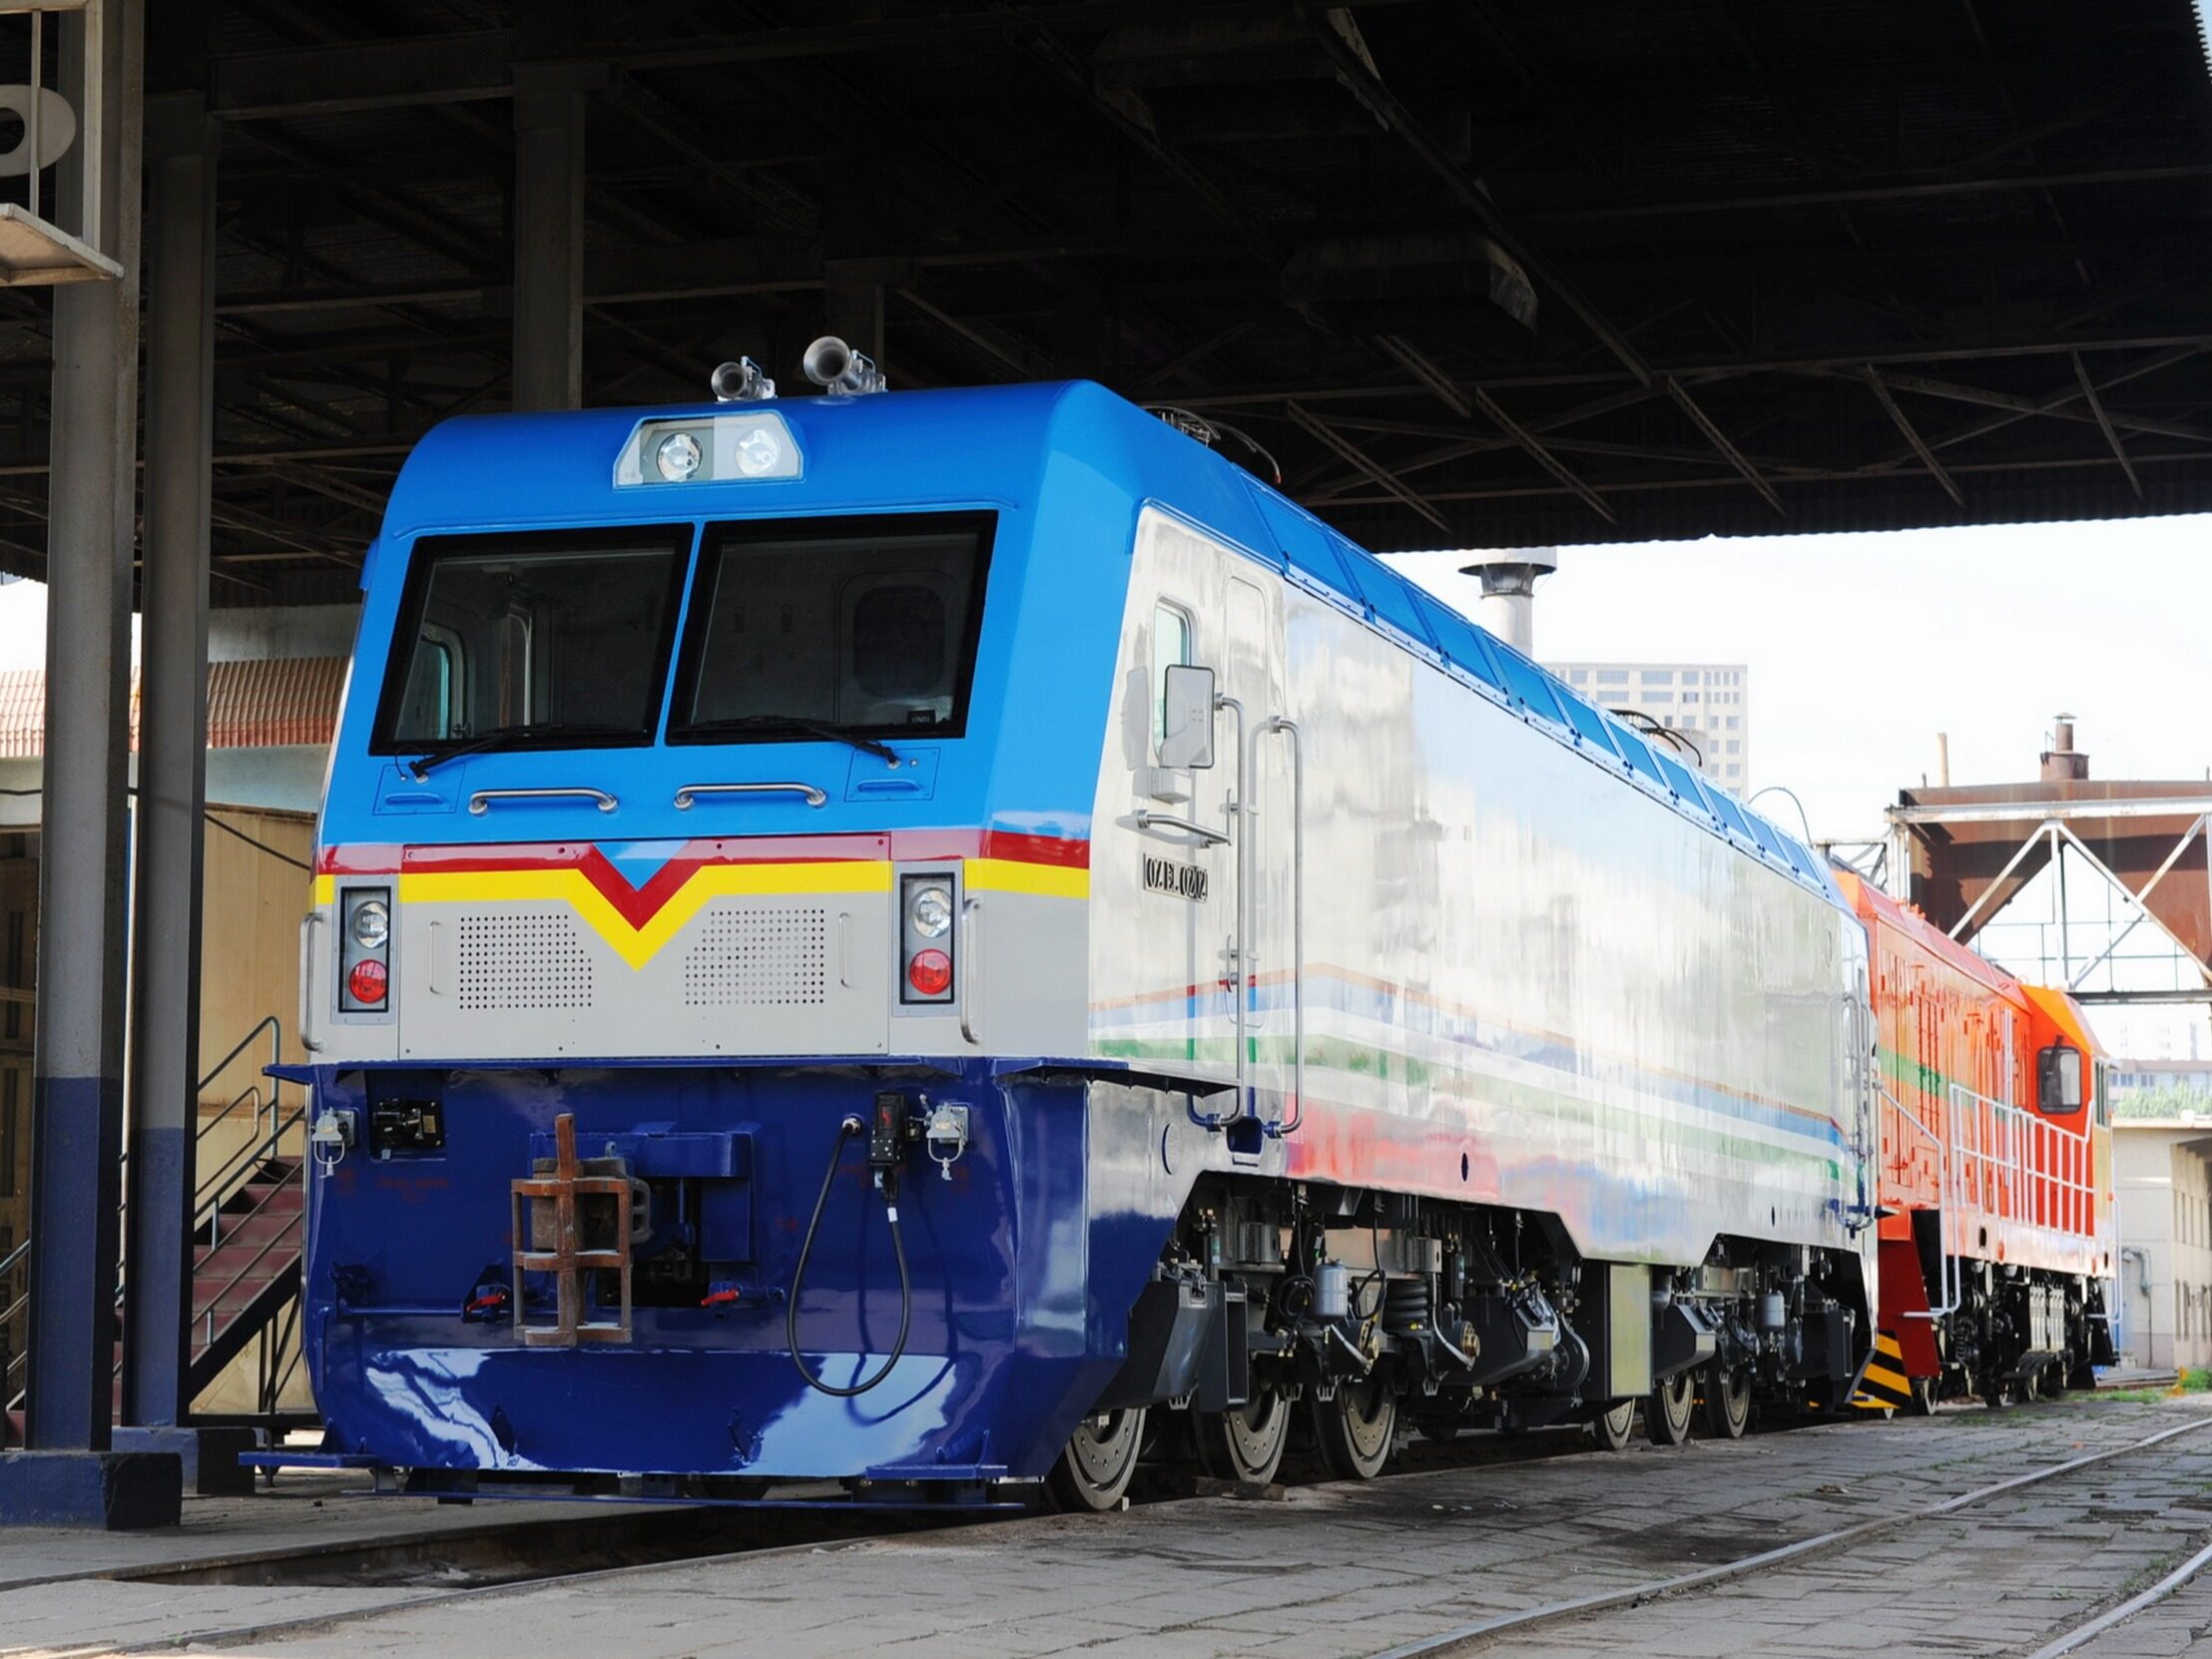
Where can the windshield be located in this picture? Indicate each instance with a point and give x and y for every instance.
(866, 625)
(551, 637)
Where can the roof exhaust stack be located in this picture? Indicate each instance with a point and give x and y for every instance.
(839, 371)
(1508, 581)
(2062, 762)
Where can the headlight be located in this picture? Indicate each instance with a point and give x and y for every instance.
(678, 458)
(370, 925)
(930, 913)
(759, 452)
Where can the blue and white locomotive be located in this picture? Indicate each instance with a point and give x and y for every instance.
(934, 940)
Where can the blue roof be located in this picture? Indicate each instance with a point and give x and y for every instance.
(510, 471)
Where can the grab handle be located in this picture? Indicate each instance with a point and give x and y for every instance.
(970, 970)
(690, 793)
(1149, 820)
(308, 925)
(483, 799)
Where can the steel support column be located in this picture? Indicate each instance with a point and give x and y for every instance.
(549, 236)
(173, 738)
(76, 1076)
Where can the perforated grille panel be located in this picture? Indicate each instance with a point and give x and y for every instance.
(754, 956)
(518, 962)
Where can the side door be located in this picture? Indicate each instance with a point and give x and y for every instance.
(1163, 956)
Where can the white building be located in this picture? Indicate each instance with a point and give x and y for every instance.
(1705, 702)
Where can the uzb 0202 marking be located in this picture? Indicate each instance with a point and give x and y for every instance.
(1176, 881)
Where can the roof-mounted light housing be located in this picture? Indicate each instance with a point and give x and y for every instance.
(709, 449)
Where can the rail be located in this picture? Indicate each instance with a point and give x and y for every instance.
(1950, 1270)
(2018, 1166)
(211, 1192)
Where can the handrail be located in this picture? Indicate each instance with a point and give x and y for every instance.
(690, 793)
(481, 802)
(1950, 1275)
(1240, 946)
(2028, 1170)
(215, 1190)
(970, 909)
(1279, 726)
(268, 1022)
(257, 1256)
(1208, 836)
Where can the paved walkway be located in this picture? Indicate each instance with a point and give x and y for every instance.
(1345, 1570)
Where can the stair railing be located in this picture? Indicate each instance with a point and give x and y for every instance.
(212, 1193)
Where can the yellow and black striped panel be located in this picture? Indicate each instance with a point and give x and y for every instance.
(1885, 1382)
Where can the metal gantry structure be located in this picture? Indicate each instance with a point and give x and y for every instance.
(1478, 273)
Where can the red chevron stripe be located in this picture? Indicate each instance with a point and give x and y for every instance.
(637, 906)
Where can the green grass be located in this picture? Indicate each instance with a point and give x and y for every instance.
(2196, 1379)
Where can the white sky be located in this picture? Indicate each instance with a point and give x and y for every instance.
(1862, 647)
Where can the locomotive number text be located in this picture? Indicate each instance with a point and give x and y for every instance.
(1176, 881)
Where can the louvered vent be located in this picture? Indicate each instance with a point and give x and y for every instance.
(756, 957)
(519, 962)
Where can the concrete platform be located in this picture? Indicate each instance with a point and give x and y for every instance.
(1329, 1570)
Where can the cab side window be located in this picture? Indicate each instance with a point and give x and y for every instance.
(1171, 647)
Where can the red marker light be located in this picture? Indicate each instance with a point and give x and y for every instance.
(366, 981)
(930, 972)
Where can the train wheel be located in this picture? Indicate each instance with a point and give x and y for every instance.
(1356, 1429)
(1244, 1443)
(1667, 1413)
(1728, 1402)
(1101, 1457)
(1613, 1427)
(1923, 1397)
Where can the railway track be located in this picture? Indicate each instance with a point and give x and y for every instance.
(1470, 1638)
(546, 1555)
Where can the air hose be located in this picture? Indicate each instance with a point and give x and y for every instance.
(845, 1132)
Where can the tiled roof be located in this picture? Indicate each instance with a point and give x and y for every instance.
(251, 705)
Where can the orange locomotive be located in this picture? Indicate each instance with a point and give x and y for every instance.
(1996, 1196)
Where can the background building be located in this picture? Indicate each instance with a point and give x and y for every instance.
(2164, 1175)
(1705, 702)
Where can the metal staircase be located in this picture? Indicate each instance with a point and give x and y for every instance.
(248, 1231)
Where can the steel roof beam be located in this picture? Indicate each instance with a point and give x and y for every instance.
(1350, 452)
(1912, 435)
(1958, 393)
(1902, 190)
(293, 82)
(2104, 425)
(1540, 455)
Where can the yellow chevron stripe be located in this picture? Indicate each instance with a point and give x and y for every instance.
(1881, 1376)
(639, 946)
(1014, 875)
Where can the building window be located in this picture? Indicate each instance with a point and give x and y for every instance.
(1734, 722)
(1612, 677)
(1656, 697)
(1579, 676)
(1689, 696)
(1658, 676)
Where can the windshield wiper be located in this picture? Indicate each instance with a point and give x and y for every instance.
(795, 722)
(500, 736)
